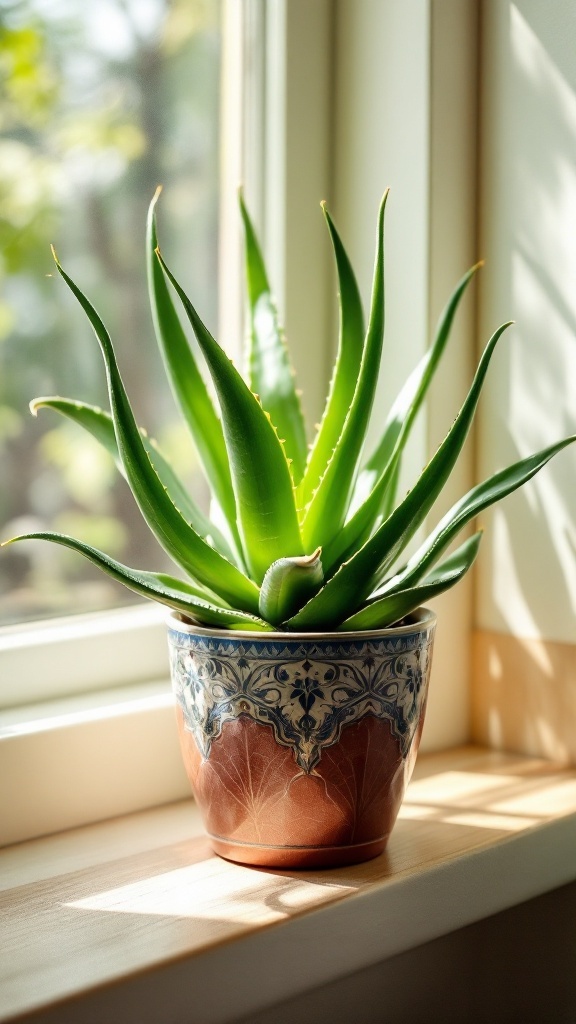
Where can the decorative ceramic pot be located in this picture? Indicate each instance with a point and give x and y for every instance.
(299, 746)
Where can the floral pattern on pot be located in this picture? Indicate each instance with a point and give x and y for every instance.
(307, 690)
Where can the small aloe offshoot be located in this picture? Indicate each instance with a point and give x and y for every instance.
(309, 537)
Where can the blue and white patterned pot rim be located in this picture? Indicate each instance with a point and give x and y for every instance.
(307, 686)
(422, 619)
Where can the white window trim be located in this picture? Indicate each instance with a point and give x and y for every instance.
(79, 654)
(284, 104)
(305, 127)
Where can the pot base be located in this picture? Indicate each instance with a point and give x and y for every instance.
(262, 855)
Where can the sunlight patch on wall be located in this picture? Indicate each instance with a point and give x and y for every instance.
(528, 581)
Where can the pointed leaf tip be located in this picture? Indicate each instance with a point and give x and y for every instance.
(288, 584)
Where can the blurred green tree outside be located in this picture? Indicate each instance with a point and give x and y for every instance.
(100, 101)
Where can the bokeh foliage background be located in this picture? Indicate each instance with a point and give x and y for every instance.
(100, 100)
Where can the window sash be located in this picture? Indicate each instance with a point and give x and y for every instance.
(58, 658)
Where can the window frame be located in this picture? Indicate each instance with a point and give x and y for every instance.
(97, 685)
(290, 101)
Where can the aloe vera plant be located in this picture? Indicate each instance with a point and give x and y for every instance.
(306, 538)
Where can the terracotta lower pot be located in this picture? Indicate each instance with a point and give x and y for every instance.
(299, 747)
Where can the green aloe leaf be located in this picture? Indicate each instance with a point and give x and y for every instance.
(271, 376)
(475, 501)
(260, 473)
(327, 509)
(188, 384)
(100, 426)
(357, 578)
(371, 500)
(288, 584)
(172, 531)
(384, 611)
(159, 587)
(346, 369)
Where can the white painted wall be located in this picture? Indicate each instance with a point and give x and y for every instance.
(527, 576)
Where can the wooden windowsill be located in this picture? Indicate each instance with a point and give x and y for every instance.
(135, 919)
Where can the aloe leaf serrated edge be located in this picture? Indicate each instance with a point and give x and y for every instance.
(271, 376)
(260, 472)
(399, 603)
(346, 368)
(381, 471)
(99, 424)
(187, 382)
(479, 498)
(172, 531)
(160, 587)
(326, 511)
(357, 578)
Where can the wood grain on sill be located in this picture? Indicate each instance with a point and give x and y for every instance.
(107, 902)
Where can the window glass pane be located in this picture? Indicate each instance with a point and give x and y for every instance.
(100, 101)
